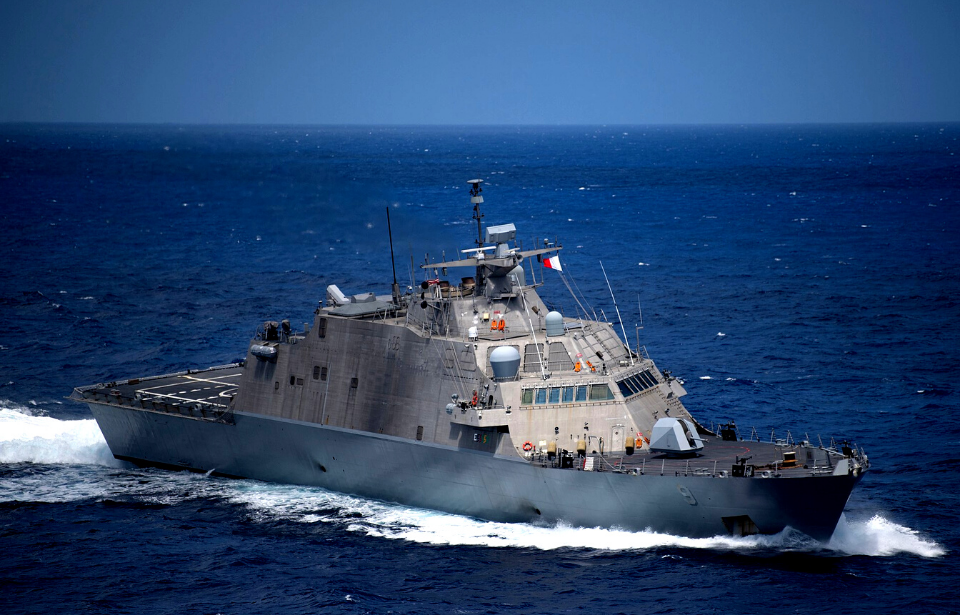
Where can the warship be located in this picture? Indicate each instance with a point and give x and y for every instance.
(473, 397)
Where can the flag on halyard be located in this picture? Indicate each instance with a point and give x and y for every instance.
(552, 263)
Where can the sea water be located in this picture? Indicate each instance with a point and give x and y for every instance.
(799, 279)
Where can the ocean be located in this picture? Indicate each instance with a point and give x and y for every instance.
(800, 279)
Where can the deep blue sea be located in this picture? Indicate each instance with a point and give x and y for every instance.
(798, 278)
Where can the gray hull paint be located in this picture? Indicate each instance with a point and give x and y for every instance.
(469, 482)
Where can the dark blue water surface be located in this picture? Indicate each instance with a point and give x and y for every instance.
(800, 278)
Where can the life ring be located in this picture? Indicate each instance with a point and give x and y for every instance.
(528, 446)
(475, 399)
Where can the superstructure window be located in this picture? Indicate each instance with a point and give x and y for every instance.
(581, 393)
(316, 372)
(637, 383)
(322, 327)
(565, 395)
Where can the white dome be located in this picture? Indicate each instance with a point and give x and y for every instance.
(554, 323)
(505, 361)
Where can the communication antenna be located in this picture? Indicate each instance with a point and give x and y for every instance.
(396, 287)
(476, 199)
(622, 330)
(640, 326)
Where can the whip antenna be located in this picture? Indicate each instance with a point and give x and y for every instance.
(624, 331)
(396, 287)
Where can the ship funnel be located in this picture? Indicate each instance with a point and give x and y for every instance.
(505, 361)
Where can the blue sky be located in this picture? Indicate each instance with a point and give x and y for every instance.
(517, 62)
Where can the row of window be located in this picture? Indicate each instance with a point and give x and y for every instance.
(637, 383)
(319, 373)
(566, 395)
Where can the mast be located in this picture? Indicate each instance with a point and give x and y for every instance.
(476, 199)
(396, 287)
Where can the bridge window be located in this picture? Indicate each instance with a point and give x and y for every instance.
(637, 383)
(581, 393)
(526, 398)
(541, 396)
(554, 395)
(567, 395)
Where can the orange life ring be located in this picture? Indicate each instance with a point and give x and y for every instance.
(528, 446)
(501, 325)
(475, 399)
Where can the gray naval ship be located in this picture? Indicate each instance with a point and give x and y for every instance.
(473, 397)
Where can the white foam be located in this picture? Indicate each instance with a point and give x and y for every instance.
(27, 438)
(879, 537)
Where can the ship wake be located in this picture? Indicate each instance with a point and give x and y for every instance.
(78, 465)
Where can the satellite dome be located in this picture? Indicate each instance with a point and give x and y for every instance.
(554, 322)
(505, 361)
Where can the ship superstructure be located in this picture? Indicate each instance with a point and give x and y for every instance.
(474, 397)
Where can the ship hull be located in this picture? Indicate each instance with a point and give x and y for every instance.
(472, 483)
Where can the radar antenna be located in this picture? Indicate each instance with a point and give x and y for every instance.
(476, 199)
